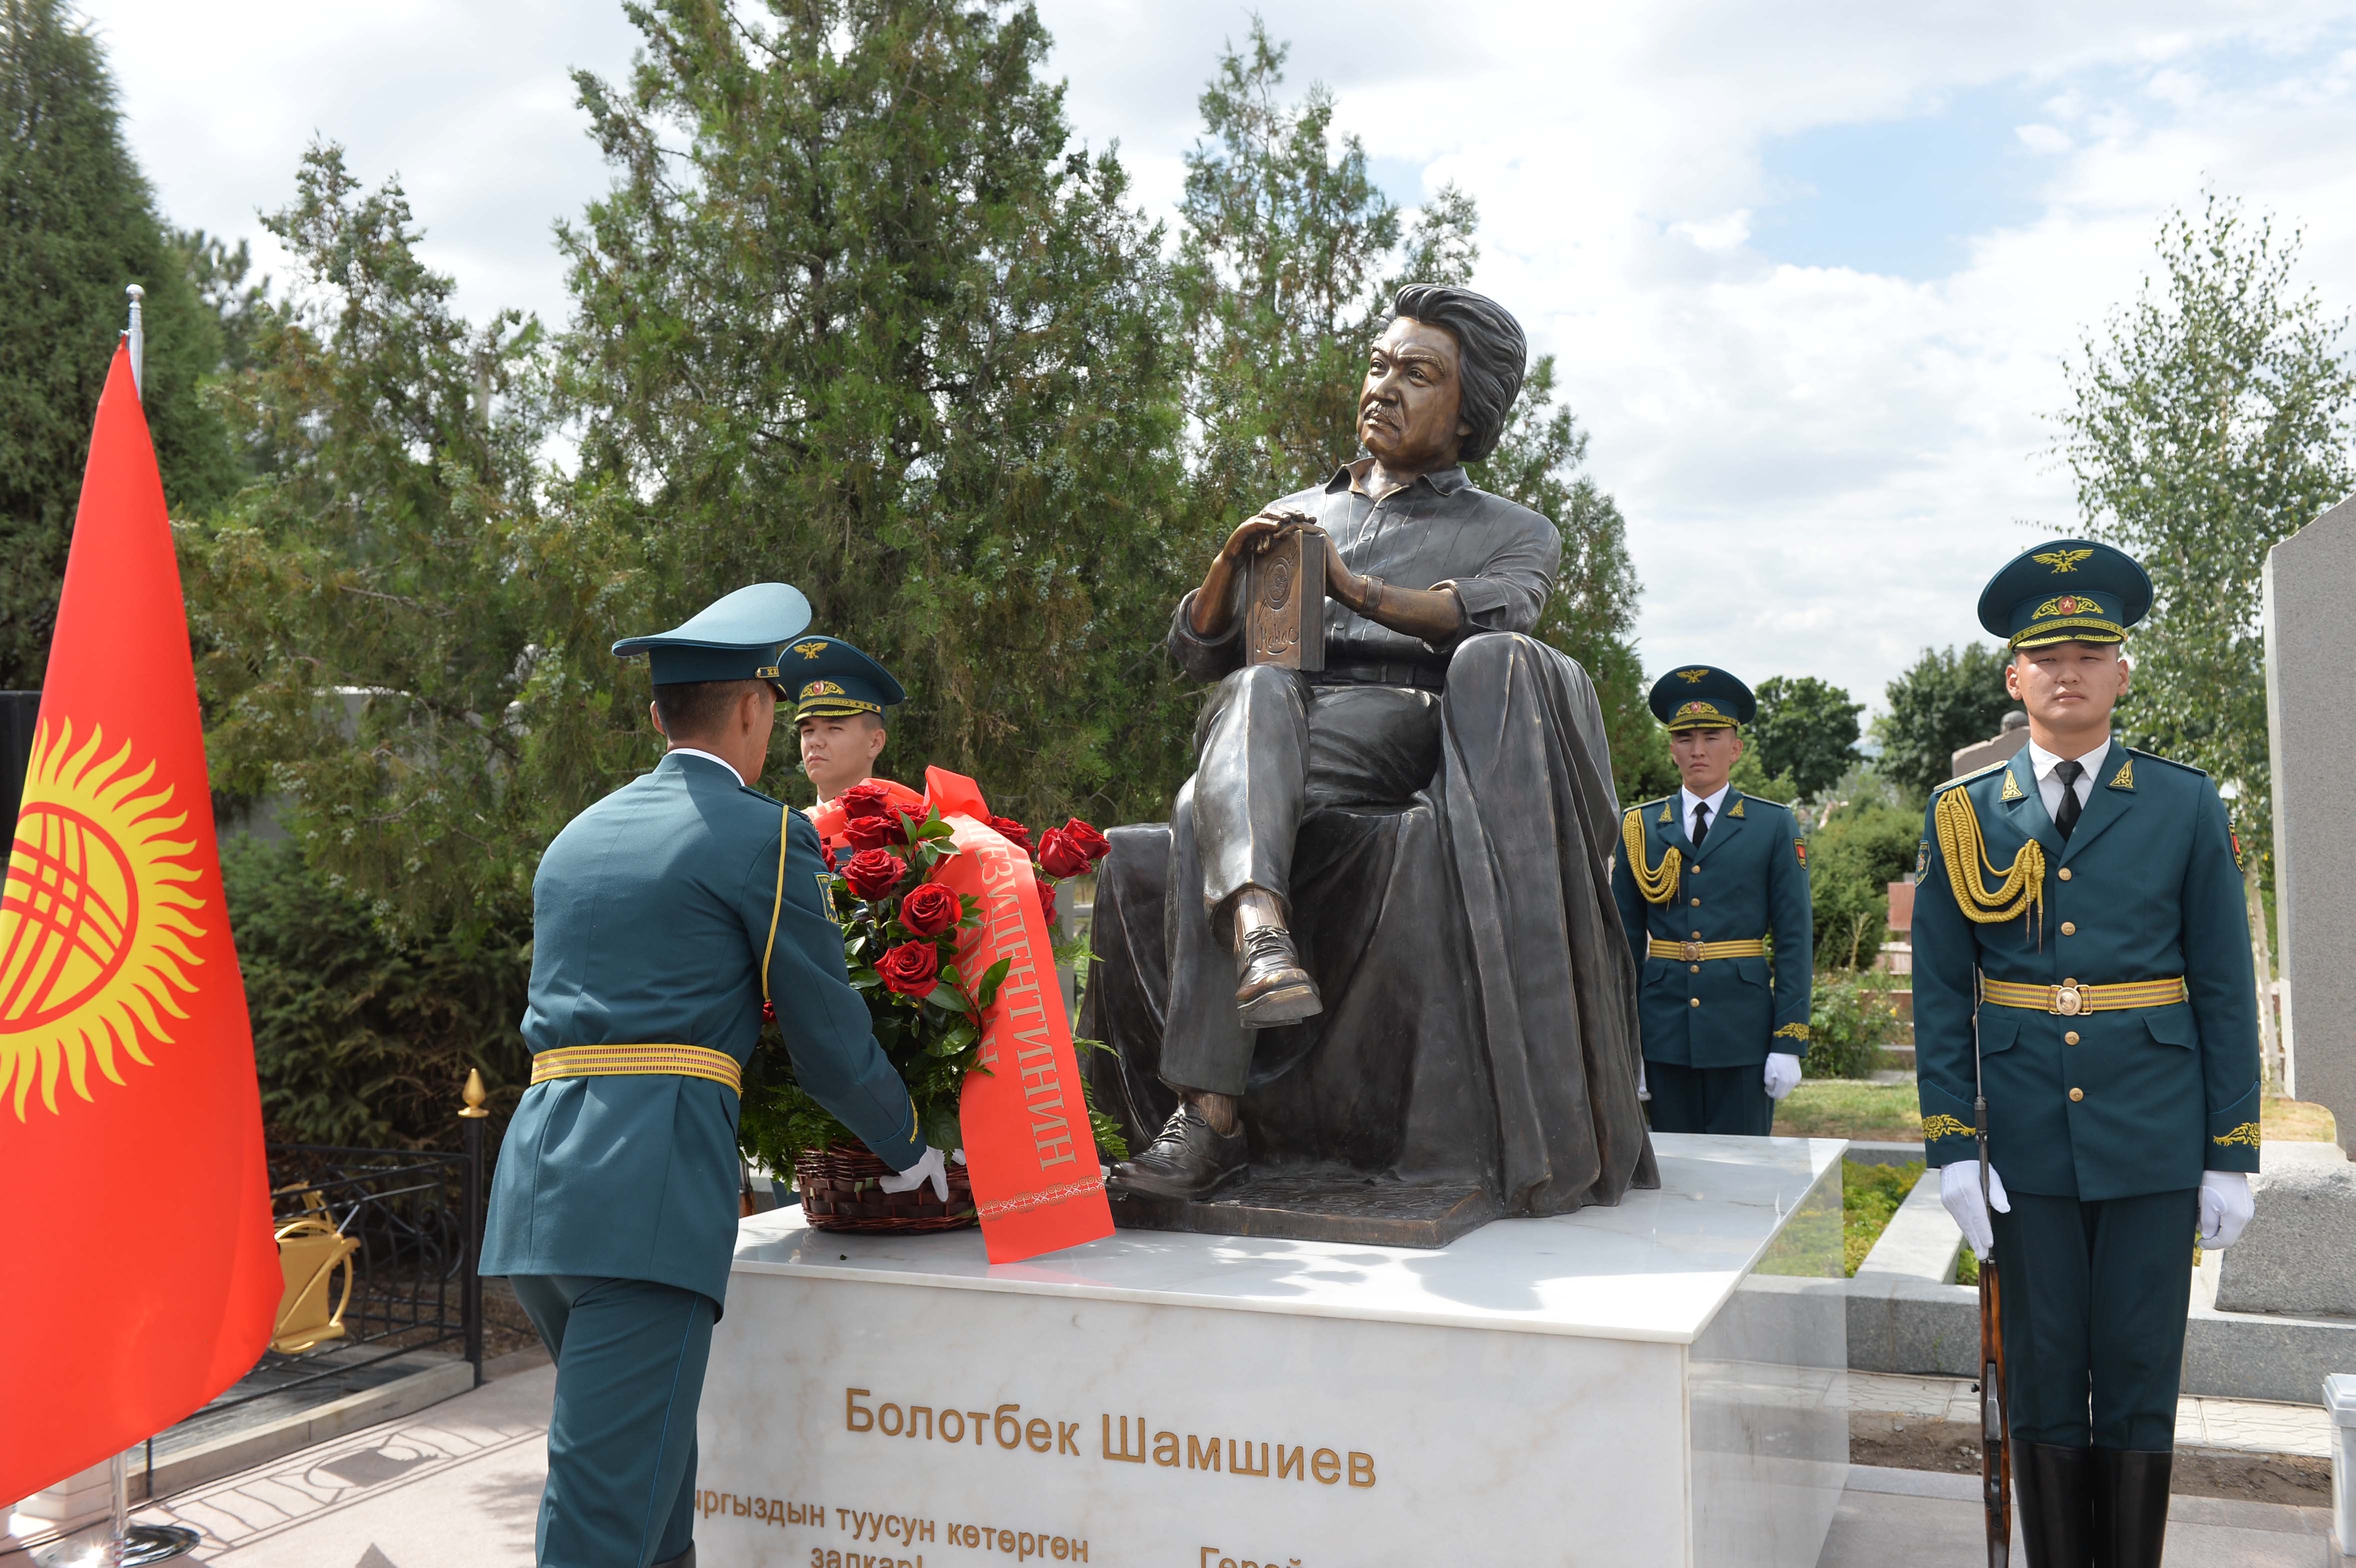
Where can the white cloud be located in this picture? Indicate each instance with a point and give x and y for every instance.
(1820, 464)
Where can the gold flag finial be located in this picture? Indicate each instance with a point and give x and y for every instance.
(476, 1094)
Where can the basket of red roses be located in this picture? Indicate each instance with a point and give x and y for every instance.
(899, 944)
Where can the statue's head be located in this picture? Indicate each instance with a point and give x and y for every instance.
(1441, 378)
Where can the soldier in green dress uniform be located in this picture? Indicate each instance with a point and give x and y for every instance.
(2081, 957)
(1703, 877)
(666, 919)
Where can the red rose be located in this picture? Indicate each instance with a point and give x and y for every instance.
(1059, 856)
(1013, 832)
(874, 832)
(930, 910)
(1047, 895)
(825, 853)
(862, 800)
(912, 968)
(871, 873)
(1086, 840)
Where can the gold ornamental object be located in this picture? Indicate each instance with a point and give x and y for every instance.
(310, 1252)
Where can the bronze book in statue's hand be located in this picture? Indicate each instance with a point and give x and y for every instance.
(1284, 600)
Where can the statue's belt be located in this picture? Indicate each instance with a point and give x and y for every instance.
(2069, 998)
(1695, 952)
(638, 1062)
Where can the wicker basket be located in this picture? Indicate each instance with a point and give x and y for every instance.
(839, 1193)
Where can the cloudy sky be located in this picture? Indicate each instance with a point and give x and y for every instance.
(1811, 268)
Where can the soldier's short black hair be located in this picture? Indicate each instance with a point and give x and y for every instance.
(692, 709)
(1492, 350)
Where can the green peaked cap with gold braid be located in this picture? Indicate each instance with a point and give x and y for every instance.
(829, 679)
(2065, 590)
(1702, 696)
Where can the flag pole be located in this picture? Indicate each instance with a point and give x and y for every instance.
(135, 335)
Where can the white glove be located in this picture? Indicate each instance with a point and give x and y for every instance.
(1782, 1074)
(930, 1166)
(1959, 1190)
(2226, 1208)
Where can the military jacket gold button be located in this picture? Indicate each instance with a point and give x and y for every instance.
(2068, 928)
(2070, 1039)
(1696, 904)
(2077, 1094)
(2065, 873)
(1693, 968)
(1694, 1001)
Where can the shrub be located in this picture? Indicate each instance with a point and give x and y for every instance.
(1870, 1196)
(1848, 1027)
(1853, 857)
(360, 1039)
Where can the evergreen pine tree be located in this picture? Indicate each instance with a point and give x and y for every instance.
(857, 315)
(79, 223)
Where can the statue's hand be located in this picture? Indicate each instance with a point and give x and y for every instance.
(1254, 534)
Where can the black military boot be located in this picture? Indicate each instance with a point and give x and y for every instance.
(1186, 1159)
(2130, 1507)
(2051, 1491)
(1274, 988)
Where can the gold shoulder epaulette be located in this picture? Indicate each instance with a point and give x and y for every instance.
(2019, 888)
(1967, 778)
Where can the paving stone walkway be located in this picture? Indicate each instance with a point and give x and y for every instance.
(2232, 1425)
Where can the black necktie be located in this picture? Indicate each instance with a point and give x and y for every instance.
(2067, 817)
(1701, 822)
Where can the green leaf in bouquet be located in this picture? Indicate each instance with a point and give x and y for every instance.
(936, 829)
(946, 998)
(991, 978)
(941, 1130)
(954, 1037)
(865, 978)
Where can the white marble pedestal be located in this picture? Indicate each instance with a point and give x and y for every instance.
(1656, 1384)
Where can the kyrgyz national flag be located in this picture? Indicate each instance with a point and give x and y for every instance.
(1028, 1146)
(142, 1277)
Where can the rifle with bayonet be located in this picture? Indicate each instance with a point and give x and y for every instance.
(1995, 1449)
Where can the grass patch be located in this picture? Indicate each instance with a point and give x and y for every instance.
(1850, 1108)
(2284, 1120)
(1870, 1194)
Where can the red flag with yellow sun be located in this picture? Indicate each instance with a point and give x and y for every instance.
(135, 1207)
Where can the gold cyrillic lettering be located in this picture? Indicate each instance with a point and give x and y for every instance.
(1165, 1446)
(1362, 1468)
(1326, 1465)
(1037, 1435)
(1079, 1552)
(1067, 1437)
(1201, 1455)
(980, 1419)
(738, 1505)
(1003, 1420)
(1122, 1453)
(1026, 1546)
(925, 1528)
(947, 1436)
(855, 1416)
(926, 1411)
(1288, 1463)
(1243, 1467)
(888, 1421)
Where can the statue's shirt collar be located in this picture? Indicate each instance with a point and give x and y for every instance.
(1352, 476)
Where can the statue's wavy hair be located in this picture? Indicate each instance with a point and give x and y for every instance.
(1494, 353)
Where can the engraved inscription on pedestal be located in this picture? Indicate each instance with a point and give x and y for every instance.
(1284, 603)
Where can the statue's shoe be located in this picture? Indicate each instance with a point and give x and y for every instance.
(1274, 988)
(1186, 1160)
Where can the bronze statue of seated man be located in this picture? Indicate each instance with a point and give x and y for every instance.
(1416, 560)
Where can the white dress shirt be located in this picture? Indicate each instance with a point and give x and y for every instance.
(1716, 801)
(707, 756)
(2049, 786)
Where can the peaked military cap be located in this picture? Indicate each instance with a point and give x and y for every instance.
(828, 679)
(1702, 696)
(2065, 590)
(738, 636)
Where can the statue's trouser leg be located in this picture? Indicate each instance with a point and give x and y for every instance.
(630, 1357)
(2094, 1301)
(1252, 783)
(1353, 745)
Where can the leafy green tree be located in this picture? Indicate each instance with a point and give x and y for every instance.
(1947, 700)
(858, 314)
(1807, 727)
(1290, 256)
(405, 647)
(80, 224)
(2212, 420)
(1853, 857)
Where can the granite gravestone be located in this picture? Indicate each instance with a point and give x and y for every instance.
(2311, 583)
(2010, 737)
